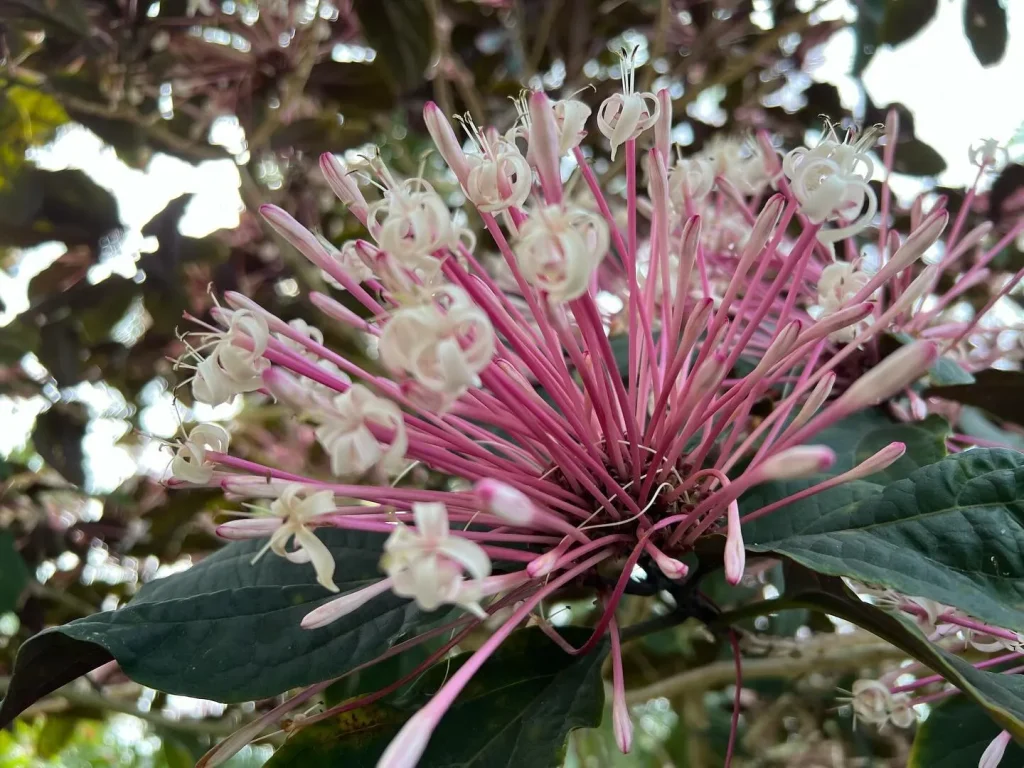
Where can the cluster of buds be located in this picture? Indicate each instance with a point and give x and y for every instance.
(518, 393)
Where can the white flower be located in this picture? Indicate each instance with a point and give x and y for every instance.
(443, 343)
(838, 284)
(830, 181)
(571, 117)
(190, 464)
(559, 250)
(345, 433)
(741, 162)
(871, 701)
(498, 177)
(987, 154)
(624, 116)
(296, 508)
(690, 178)
(231, 367)
(412, 222)
(874, 703)
(428, 564)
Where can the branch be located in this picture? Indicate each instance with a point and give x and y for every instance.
(73, 695)
(824, 656)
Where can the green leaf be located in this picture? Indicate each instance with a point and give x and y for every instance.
(1001, 696)
(998, 392)
(867, 31)
(905, 18)
(227, 629)
(915, 158)
(956, 734)
(57, 437)
(14, 575)
(402, 33)
(976, 424)
(516, 711)
(952, 531)
(54, 736)
(985, 27)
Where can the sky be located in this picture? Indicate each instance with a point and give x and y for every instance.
(954, 100)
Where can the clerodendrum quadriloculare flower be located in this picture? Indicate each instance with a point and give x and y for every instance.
(563, 463)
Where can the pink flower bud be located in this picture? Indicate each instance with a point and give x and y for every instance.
(545, 564)
(814, 400)
(506, 502)
(248, 528)
(339, 312)
(622, 725)
(406, 749)
(342, 606)
(900, 369)
(446, 141)
(669, 566)
(285, 387)
(663, 125)
(344, 185)
(800, 461)
(544, 146)
(993, 754)
(876, 462)
(735, 554)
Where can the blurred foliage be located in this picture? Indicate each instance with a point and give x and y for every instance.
(294, 79)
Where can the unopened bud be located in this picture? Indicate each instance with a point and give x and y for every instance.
(407, 747)
(663, 125)
(506, 502)
(900, 369)
(735, 554)
(544, 146)
(285, 387)
(342, 606)
(993, 754)
(877, 462)
(814, 400)
(799, 461)
(344, 185)
(446, 141)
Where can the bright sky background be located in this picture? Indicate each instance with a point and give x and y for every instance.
(954, 100)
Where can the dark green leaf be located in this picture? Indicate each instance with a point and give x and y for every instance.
(956, 734)
(58, 437)
(67, 206)
(985, 27)
(905, 18)
(974, 423)
(54, 736)
(229, 630)
(13, 573)
(402, 33)
(952, 531)
(998, 392)
(915, 158)
(516, 711)
(44, 663)
(867, 31)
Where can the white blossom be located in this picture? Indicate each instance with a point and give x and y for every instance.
(444, 343)
(559, 250)
(345, 432)
(428, 564)
(189, 463)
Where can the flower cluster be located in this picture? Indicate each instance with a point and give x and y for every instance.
(566, 467)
